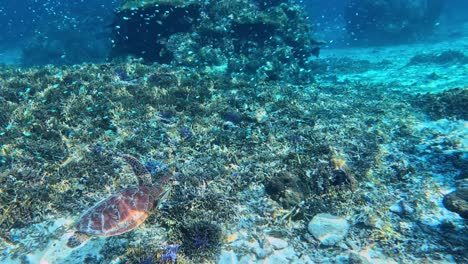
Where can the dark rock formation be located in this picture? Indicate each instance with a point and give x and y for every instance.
(449, 104)
(270, 39)
(457, 201)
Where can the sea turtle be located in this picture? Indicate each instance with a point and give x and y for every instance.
(122, 211)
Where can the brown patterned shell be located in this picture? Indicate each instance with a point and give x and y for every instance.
(124, 210)
(119, 213)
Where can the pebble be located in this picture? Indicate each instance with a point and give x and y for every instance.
(457, 201)
(355, 258)
(286, 255)
(261, 252)
(247, 259)
(304, 259)
(261, 115)
(271, 250)
(402, 208)
(276, 243)
(328, 229)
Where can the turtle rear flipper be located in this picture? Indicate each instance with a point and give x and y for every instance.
(77, 239)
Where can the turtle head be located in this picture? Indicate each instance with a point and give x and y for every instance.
(77, 239)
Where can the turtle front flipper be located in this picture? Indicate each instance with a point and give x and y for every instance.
(77, 239)
(142, 174)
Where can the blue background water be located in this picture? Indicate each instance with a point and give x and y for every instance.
(78, 31)
(21, 20)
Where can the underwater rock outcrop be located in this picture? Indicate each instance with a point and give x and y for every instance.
(457, 201)
(270, 39)
(449, 104)
(391, 20)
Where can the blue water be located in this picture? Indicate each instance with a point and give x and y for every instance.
(56, 32)
(69, 32)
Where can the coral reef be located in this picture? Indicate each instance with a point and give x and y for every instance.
(251, 161)
(270, 40)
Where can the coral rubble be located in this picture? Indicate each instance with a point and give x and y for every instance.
(243, 155)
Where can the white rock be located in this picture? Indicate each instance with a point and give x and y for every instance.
(247, 259)
(286, 255)
(401, 208)
(276, 243)
(227, 257)
(376, 257)
(261, 251)
(396, 208)
(261, 115)
(328, 229)
(355, 257)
